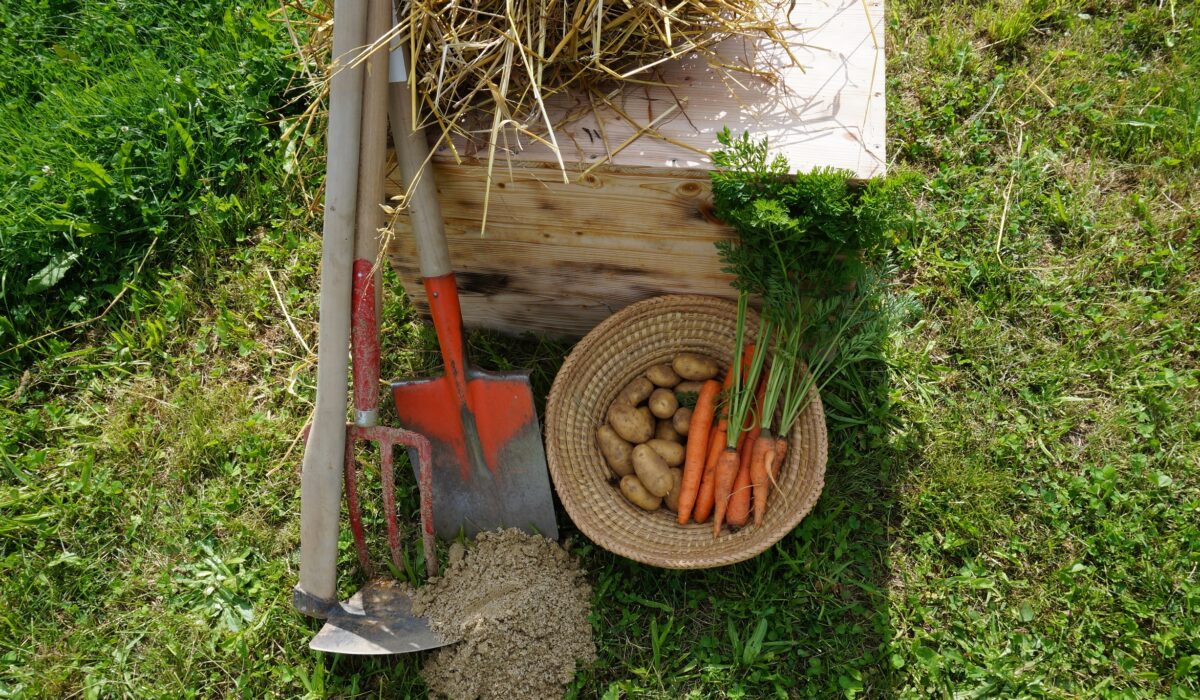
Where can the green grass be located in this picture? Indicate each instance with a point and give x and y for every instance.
(132, 132)
(1013, 497)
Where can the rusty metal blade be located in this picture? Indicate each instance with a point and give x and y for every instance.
(376, 620)
(489, 465)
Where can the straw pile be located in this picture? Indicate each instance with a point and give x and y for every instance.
(504, 58)
(483, 69)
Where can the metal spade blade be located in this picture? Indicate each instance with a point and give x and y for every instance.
(376, 620)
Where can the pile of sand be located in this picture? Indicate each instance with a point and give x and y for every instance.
(520, 604)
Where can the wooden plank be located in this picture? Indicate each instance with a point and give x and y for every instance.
(603, 201)
(563, 268)
(554, 288)
(558, 258)
(829, 111)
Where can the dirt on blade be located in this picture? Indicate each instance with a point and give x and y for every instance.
(520, 603)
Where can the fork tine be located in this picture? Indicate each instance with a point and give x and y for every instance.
(356, 526)
(386, 447)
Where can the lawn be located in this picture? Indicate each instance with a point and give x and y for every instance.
(1012, 506)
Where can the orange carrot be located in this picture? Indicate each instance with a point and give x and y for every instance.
(724, 490)
(708, 484)
(773, 460)
(697, 444)
(727, 469)
(739, 499)
(764, 450)
(781, 448)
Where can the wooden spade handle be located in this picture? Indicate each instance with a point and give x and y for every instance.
(321, 477)
(412, 154)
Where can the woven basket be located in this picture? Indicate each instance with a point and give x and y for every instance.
(610, 356)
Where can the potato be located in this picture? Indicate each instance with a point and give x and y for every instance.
(688, 388)
(690, 365)
(636, 391)
(671, 452)
(663, 403)
(637, 494)
(682, 420)
(634, 425)
(662, 375)
(651, 470)
(617, 453)
(672, 497)
(666, 431)
(647, 419)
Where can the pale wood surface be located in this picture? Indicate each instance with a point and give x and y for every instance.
(557, 259)
(827, 112)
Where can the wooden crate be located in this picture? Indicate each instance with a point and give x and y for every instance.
(558, 258)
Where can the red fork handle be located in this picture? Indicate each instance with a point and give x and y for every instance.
(364, 344)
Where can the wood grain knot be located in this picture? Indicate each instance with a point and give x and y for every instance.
(708, 213)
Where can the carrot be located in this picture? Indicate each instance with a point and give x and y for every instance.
(739, 499)
(697, 444)
(764, 450)
(727, 469)
(781, 448)
(773, 461)
(726, 480)
(704, 497)
(708, 483)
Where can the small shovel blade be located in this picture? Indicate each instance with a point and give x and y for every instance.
(489, 465)
(376, 620)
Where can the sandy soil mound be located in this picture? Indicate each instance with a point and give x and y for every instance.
(520, 603)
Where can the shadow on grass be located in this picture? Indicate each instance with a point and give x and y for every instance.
(808, 617)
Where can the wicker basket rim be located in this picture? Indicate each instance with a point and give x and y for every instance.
(610, 522)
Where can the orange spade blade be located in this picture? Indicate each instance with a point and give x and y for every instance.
(489, 466)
